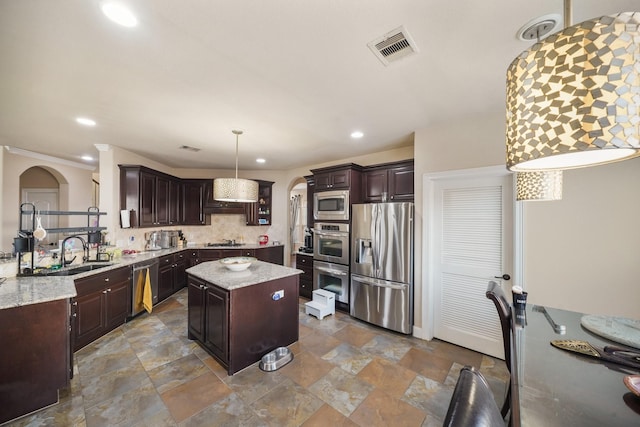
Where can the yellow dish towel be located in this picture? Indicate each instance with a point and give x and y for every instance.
(147, 298)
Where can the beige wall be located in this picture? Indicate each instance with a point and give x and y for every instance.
(75, 191)
(38, 177)
(579, 253)
(476, 142)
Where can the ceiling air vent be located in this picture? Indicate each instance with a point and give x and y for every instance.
(186, 147)
(393, 46)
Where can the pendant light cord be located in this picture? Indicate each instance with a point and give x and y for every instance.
(237, 156)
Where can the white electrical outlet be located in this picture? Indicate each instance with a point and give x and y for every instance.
(278, 295)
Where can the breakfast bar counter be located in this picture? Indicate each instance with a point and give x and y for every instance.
(239, 316)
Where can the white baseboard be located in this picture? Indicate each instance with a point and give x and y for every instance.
(420, 333)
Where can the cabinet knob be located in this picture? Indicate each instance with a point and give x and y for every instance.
(74, 315)
(106, 280)
(104, 292)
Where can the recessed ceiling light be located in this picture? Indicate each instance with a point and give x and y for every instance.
(119, 13)
(85, 121)
(357, 134)
(87, 158)
(260, 160)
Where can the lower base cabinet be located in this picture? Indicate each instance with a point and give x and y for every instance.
(208, 317)
(305, 263)
(35, 360)
(171, 274)
(102, 304)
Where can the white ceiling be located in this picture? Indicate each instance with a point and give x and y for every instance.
(296, 76)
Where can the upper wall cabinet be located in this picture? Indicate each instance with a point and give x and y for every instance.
(194, 198)
(259, 213)
(148, 194)
(395, 179)
(341, 177)
(157, 199)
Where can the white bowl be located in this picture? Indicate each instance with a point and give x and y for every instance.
(237, 263)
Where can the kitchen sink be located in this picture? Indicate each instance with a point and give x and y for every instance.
(74, 270)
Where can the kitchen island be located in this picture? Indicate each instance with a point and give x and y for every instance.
(238, 317)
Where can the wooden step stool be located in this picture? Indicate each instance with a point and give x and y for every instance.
(322, 304)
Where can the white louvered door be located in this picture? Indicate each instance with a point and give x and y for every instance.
(472, 245)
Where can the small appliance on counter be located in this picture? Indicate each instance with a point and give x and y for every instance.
(153, 240)
(169, 238)
(308, 241)
(263, 239)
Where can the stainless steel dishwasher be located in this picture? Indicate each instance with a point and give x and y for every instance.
(138, 279)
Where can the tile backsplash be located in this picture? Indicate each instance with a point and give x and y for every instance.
(231, 227)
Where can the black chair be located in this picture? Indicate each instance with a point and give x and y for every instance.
(496, 294)
(472, 402)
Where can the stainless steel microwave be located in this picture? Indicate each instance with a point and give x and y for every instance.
(331, 205)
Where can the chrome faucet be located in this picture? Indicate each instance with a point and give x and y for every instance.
(84, 250)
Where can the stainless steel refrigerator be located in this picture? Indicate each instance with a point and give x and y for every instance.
(381, 289)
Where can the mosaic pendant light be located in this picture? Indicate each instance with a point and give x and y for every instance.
(235, 189)
(573, 100)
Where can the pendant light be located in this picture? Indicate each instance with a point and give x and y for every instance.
(573, 100)
(235, 189)
(539, 185)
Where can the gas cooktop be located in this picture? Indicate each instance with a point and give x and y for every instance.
(224, 244)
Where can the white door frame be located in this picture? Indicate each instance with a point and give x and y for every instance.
(428, 261)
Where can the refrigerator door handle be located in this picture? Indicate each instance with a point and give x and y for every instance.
(378, 283)
(331, 271)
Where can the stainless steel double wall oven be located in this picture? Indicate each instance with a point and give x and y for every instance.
(331, 259)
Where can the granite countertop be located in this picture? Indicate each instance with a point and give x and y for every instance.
(258, 272)
(19, 291)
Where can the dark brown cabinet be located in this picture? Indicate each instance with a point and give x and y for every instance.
(209, 317)
(175, 208)
(194, 196)
(172, 274)
(259, 213)
(151, 196)
(272, 254)
(35, 357)
(102, 304)
(305, 263)
(340, 177)
(395, 179)
(239, 326)
(192, 257)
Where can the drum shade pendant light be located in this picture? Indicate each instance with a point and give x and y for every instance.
(539, 185)
(235, 189)
(573, 99)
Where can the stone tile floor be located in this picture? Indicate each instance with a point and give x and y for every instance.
(344, 373)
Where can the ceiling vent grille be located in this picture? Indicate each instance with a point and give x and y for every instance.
(393, 46)
(186, 147)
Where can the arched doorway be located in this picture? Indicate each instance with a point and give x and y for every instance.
(297, 216)
(41, 188)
